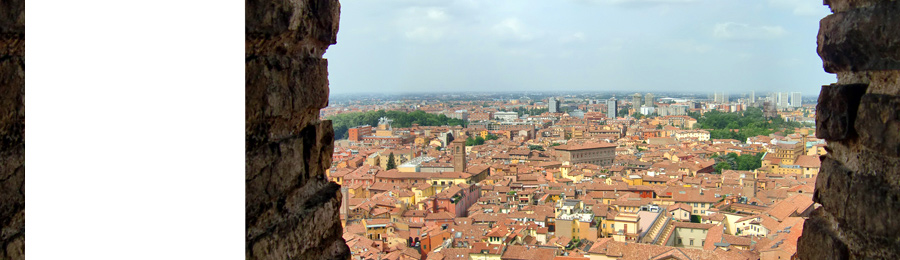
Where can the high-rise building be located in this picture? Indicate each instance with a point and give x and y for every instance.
(796, 99)
(648, 100)
(611, 108)
(752, 97)
(636, 101)
(782, 100)
(720, 97)
(553, 105)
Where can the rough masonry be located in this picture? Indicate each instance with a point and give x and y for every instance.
(292, 210)
(859, 116)
(12, 129)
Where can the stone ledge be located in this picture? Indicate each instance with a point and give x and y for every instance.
(878, 123)
(861, 39)
(836, 111)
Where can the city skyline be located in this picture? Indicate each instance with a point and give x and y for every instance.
(692, 45)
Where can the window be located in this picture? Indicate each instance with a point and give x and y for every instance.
(692, 241)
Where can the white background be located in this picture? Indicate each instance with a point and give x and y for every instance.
(135, 129)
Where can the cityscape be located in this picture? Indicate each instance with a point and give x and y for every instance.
(580, 175)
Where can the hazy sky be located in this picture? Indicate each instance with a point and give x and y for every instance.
(642, 45)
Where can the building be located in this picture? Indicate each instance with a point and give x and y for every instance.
(458, 149)
(796, 99)
(594, 153)
(752, 97)
(720, 97)
(636, 101)
(611, 108)
(506, 116)
(355, 134)
(782, 100)
(553, 105)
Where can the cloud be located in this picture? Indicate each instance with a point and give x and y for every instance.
(739, 31)
(426, 24)
(802, 7)
(513, 28)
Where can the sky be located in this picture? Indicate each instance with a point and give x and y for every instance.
(408, 46)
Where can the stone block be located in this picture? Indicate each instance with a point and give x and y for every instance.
(282, 95)
(878, 123)
(865, 205)
(12, 17)
(819, 240)
(861, 39)
(836, 111)
(276, 169)
(309, 19)
(845, 5)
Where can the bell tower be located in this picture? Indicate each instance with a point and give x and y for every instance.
(458, 150)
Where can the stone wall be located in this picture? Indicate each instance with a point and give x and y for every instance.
(292, 210)
(859, 116)
(12, 129)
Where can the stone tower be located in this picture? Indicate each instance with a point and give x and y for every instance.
(292, 209)
(458, 149)
(859, 117)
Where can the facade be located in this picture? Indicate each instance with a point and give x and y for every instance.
(611, 108)
(796, 99)
(553, 105)
(506, 116)
(636, 101)
(594, 153)
(356, 134)
(648, 100)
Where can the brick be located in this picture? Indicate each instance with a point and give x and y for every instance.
(836, 111)
(861, 39)
(878, 123)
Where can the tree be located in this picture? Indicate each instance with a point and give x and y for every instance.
(479, 140)
(637, 115)
(535, 147)
(391, 164)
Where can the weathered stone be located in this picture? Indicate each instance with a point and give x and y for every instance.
(861, 39)
(292, 210)
(283, 94)
(879, 123)
(880, 81)
(844, 5)
(12, 17)
(306, 19)
(12, 129)
(836, 111)
(865, 205)
(819, 241)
